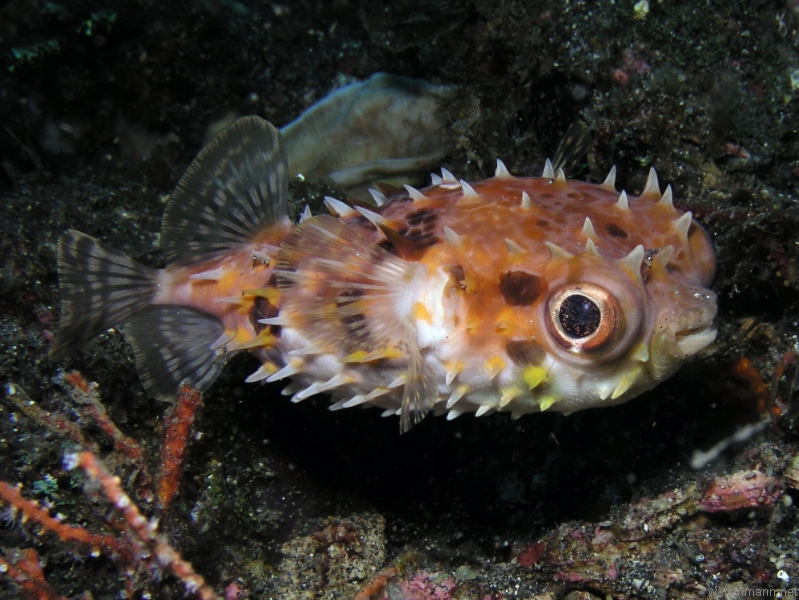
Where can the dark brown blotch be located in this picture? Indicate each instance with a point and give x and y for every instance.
(388, 247)
(420, 216)
(458, 275)
(420, 228)
(525, 353)
(615, 230)
(519, 288)
(345, 298)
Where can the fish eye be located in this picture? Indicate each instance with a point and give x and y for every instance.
(584, 318)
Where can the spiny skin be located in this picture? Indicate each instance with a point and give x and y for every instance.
(481, 308)
(509, 294)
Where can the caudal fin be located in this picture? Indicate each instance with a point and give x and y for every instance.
(100, 288)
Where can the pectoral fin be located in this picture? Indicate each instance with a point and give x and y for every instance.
(349, 295)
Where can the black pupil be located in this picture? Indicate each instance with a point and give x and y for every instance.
(579, 316)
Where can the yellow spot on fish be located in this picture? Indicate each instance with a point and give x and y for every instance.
(422, 313)
(640, 352)
(453, 369)
(270, 293)
(508, 394)
(362, 356)
(264, 371)
(264, 339)
(546, 402)
(456, 395)
(494, 366)
(533, 376)
(627, 380)
(356, 356)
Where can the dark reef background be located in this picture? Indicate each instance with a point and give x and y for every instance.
(102, 106)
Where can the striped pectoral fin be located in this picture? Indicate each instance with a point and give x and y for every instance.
(100, 288)
(342, 291)
(175, 345)
(351, 297)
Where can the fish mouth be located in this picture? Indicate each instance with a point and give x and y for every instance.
(693, 328)
(693, 340)
(684, 332)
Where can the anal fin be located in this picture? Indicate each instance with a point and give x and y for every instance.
(175, 345)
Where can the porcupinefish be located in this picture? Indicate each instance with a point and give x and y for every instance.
(508, 294)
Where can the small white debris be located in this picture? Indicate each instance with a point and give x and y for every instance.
(71, 461)
(641, 9)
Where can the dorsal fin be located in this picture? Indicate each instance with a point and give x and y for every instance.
(236, 186)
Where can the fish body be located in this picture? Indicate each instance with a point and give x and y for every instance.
(509, 294)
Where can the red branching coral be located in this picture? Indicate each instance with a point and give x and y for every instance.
(137, 547)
